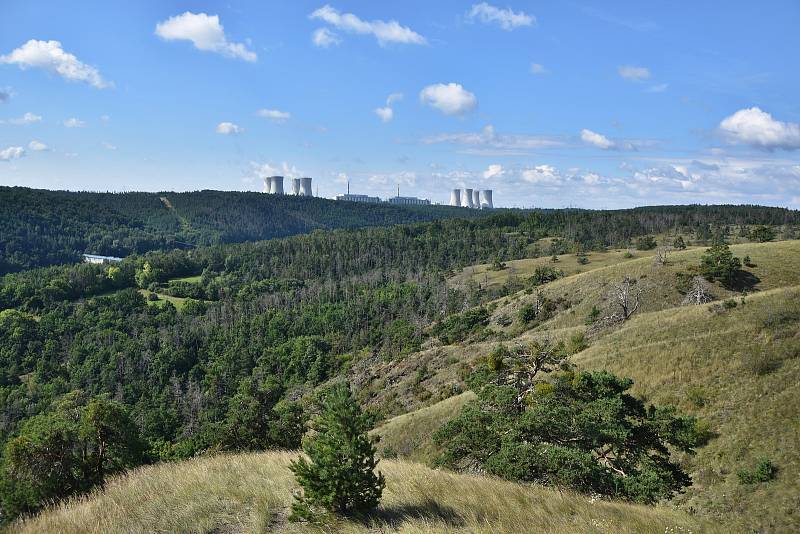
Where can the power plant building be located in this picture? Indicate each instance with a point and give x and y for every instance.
(359, 198)
(409, 201)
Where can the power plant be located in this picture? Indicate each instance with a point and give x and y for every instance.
(471, 198)
(273, 185)
(305, 187)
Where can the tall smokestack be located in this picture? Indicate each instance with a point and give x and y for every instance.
(305, 187)
(487, 199)
(467, 202)
(455, 197)
(476, 199)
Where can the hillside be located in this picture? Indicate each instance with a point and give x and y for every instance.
(737, 368)
(253, 492)
(41, 227)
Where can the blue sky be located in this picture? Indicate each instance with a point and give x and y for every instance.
(548, 104)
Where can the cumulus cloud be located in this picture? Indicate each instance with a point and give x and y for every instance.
(74, 123)
(542, 175)
(595, 139)
(28, 118)
(757, 128)
(325, 38)
(228, 128)
(205, 32)
(12, 152)
(386, 113)
(37, 146)
(505, 18)
(49, 55)
(450, 99)
(274, 115)
(385, 32)
(634, 74)
(494, 171)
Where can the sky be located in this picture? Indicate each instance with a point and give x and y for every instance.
(548, 104)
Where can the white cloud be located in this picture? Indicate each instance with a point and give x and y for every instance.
(595, 139)
(108, 146)
(538, 68)
(325, 38)
(386, 114)
(205, 32)
(488, 137)
(505, 18)
(28, 118)
(658, 88)
(12, 152)
(74, 123)
(592, 178)
(37, 146)
(494, 171)
(50, 56)
(543, 175)
(757, 128)
(634, 74)
(274, 115)
(262, 170)
(228, 128)
(384, 32)
(450, 99)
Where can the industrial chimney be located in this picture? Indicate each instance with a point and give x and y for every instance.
(305, 187)
(277, 185)
(455, 197)
(467, 202)
(487, 199)
(476, 199)
(295, 186)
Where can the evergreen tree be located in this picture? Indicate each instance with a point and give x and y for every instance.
(340, 477)
(719, 263)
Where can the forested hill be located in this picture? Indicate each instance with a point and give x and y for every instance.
(41, 227)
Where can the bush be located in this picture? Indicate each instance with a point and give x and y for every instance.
(647, 242)
(762, 234)
(544, 274)
(679, 243)
(340, 476)
(764, 471)
(458, 326)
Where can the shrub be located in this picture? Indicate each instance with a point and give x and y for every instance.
(763, 471)
(762, 234)
(340, 476)
(544, 274)
(647, 242)
(679, 243)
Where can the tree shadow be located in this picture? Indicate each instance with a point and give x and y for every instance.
(743, 281)
(395, 516)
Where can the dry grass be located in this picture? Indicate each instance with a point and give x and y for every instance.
(252, 493)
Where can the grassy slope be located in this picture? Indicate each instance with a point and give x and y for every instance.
(253, 492)
(739, 370)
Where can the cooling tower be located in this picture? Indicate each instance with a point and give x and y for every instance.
(467, 202)
(295, 186)
(476, 199)
(277, 185)
(268, 185)
(305, 187)
(486, 203)
(455, 197)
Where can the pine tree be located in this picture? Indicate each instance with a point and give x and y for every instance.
(341, 476)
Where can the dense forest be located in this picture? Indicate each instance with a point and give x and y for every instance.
(40, 228)
(255, 329)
